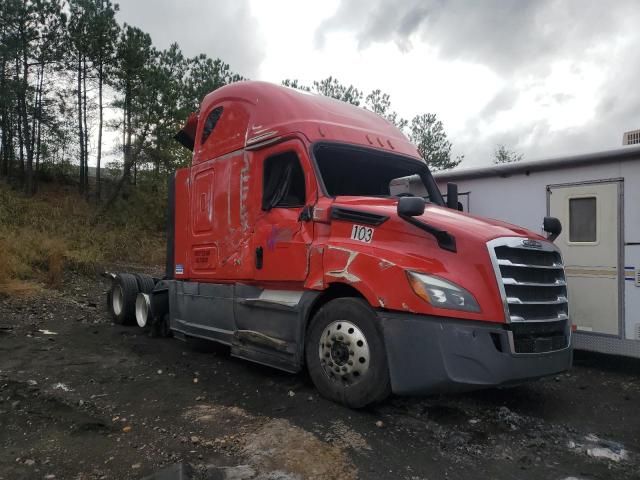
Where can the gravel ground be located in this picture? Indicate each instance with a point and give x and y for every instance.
(81, 398)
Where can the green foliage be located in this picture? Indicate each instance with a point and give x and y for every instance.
(503, 155)
(380, 103)
(295, 84)
(57, 56)
(427, 132)
(331, 87)
(206, 75)
(105, 31)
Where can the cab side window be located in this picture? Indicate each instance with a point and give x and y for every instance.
(210, 123)
(283, 183)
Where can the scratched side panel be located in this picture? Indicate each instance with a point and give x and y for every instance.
(232, 224)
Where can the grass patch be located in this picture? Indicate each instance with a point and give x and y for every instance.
(43, 236)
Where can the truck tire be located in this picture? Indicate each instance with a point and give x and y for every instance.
(145, 282)
(124, 291)
(345, 354)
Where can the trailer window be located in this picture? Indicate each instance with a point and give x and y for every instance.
(582, 219)
(283, 184)
(210, 123)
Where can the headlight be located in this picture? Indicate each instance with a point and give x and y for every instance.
(441, 293)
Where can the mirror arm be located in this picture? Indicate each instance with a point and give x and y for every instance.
(446, 241)
(552, 236)
(452, 196)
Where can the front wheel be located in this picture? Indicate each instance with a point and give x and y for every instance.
(345, 354)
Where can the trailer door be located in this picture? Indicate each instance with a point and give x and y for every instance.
(590, 216)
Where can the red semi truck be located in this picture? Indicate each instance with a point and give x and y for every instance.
(286, 243)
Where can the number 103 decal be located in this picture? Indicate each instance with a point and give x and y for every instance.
(362, 233)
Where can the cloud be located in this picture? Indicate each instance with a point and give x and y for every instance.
(505, 99)
(220, 29)
(503, 34)
(566, 69)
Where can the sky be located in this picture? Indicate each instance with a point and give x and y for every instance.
(545, 78)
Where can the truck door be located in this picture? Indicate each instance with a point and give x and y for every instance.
(590, 216)
(282, 232)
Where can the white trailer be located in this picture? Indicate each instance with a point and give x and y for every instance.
(597, 198)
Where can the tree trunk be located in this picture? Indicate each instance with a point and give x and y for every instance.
(10, 144)
(80, 131)
(25, 120)
(129, 161)
(127, 146)
(38, 124)
(86, 130)
(99, 156)
(38, 145)
(4, 155)
(11, 153)
(19, 121)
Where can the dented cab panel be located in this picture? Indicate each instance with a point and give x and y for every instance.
(377, 268)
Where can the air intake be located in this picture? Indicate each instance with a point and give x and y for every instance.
(531, 278)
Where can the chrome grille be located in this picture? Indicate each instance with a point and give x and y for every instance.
(532, 282)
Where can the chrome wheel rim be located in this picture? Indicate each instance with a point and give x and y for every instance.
(117, 299)
(344, 352)
(142, 309)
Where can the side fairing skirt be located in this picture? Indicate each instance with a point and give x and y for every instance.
(261, 325)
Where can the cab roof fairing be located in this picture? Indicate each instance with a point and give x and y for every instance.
(277, 111)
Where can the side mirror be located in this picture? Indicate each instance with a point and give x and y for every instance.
(552, 226)
(410, 206)
(460, 207)
(452, 196)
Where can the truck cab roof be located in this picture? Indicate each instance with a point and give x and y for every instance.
(249, 113)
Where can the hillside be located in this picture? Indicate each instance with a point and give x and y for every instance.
(57, 230)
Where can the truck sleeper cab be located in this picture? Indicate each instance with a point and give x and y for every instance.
(290, 241)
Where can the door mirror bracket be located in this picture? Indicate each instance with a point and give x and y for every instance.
(306, 215)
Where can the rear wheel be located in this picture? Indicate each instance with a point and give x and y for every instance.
(345, 354)
(145, 282)
(124, 291)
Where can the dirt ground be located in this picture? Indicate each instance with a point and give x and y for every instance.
(81, 398)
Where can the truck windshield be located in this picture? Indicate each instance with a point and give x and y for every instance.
(358, 171)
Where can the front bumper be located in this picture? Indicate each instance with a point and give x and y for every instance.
(434, 354)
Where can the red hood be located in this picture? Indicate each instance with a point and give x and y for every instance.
(457, 223)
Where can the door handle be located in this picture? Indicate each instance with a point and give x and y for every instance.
(259, 257)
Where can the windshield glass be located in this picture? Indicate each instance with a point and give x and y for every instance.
(358, 171)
